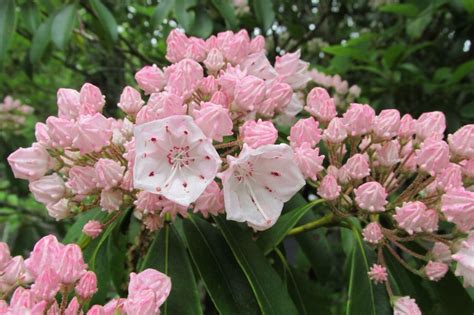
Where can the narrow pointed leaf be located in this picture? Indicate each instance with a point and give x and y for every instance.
(162, 10)
(264, 12)
(106, 19)
(7, 25)
(227, 12)
(63, 25)
(41, 39)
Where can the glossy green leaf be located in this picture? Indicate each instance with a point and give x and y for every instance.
(463, 70)
(106, 19)
(264, 13)
(117, 256)
(41, 39)
(7, 25)
(162, 11)
(268, 287)
(405, 9)
(184, 15)
(30, 15)
(346, 51)
(467, 111)
(63, 25)
(416, 27)
(227, 11)
(224, 280)
(168, 255)
(202, 25)
(270, 238)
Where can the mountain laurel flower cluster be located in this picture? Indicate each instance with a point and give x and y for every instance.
(13, 115)
(56, 269)
(222, 130)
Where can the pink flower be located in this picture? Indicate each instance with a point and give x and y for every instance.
(161, 105)
(229, 79)
(69, 105)
(388, 154)
(92, 133)
(174, 159)
(258, 182)
(214, 60)
(211, 201)
(320, 104)
(411, 216)
(358, 119)
(430, 220)
(208, 85)
(461, 142)
(176, 46)
(293, 70)
(82, 179)
(13, 274)
(150, 79)
(196, 49)
(147, 202)
(258, 133)
(23, 302)
(430, 125)
(111, 200)
(173, 208)
(183, 77)
(371, 196)
(130, 101)
(114, 306)
(450, 177)
(30, 163)
(61, 131)
(59, 210)
(46, 285)
(465, 259)
(458, 207)
(97, 310)
(258, 65)
(468, 168)
(48, 189)
(387, 124)
(46, 254)
(214, 120)
(305, 130)
(91, 99)
(357, 166)
(92, 228)
(249, 93)
(87, 285)
(235, 47)
(328, 188)
(433, 156)
(278, 96)
(73, 307)
(5, 256)
(372, 233)
(407, 126)
(406, 306)
(71, 265)
(257, 44)
(378, 274)
(436, 270)
(308, 160)
(220, 98)
(109, 173)
(42, 135)
(441, 252)
(335, 132)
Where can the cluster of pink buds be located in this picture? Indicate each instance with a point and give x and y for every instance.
(30, 286)
(13, 114)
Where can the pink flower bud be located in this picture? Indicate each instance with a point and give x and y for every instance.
(71, 264)
(130, 101)
(278, 96)
(249, 93)
(30, 163)
(114, 306)
(433, 156)
(147, 202)
(5, 256)
(13, 273)
(73, 307)
(92, 228)
(335, 132)
(111, 200)
(197, 49)
(358, 119)
(61, 131)
(69, 105)
(372, 233)
(259, 133)
(387, 124)
(430, 221)
(23, 302)
(458, 207)
(450, 177)
(91, 99)
(220, 98)
(208, 85)
(161, 105)
(42, 135)
(378, 274)
(436, 270)
(150, 79)
(461, 142)
(48, 189)
(219, 116)
(171, 207)
(87, 285)
(320, 105)
(329, 189)
(308, 160)
(293, 70)
(109, 173)
(257, 44)
(430, 125)
(258, 65)
(144, 283)
(464, 258)
(92, 133)
(441, 252)
(211, 201)
(468, 168)
(388, 154)
(357, 166)
(82, 179)
(406, 306)
(145, 304)
(234, 47)
(411, 216)
(214, 61)
(371, 196)
(99, 310)
(59, 210)
(46, 254)
(46, 285)
(407, 126)
(305, 130)
(177, 44)
(183, 77)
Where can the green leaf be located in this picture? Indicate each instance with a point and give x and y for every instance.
(202, 25)
(468, 111)
(405, 9)
(40, 41)
(346, 51)
(63, 25)
(168, 255)
(117, 256)
(106, 19)
(463, 70)
(416, 27)
(162, 10)
(30, 15)
(185, 17)
(269, 289)
(264, 12)
(469, 6)
(227, 12)
(270, 238)
(7, 25)
(224, 280)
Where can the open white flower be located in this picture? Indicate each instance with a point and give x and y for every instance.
(258, 183)
(174, 159)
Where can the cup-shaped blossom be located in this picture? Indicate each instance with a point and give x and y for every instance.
(458, 207)
(436, 270)
(92, 100)
(335, 132)
(371, 196)
(214, 60)
(211, 201)
(258, 182)
(410, 216)
(465, 260)
(174, 158)
(386, 124)
(430, 125)
(30, 163)
(293, 70)
(258, 133)
(69, 105)
(46, 254)
(149, 288)
(130, 101)
(93, 132)
(378, 274)
(214, 120)
(357, 166)
(183, 77)
(71, 265)
(406, 306)
(61, 131)
(305, 130)
(249, 93)
(87, 285)
(407, 126)
(328, 188)
(92, 228)
(109, 173)
(111, 200)
(372, 233)
(389, 153)
(46, 285)
(461, 142)
(48, 189)
(433, 156)
(150, 79)
(308, 160)
(358, 119)
(82, 179)
(320, 104)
